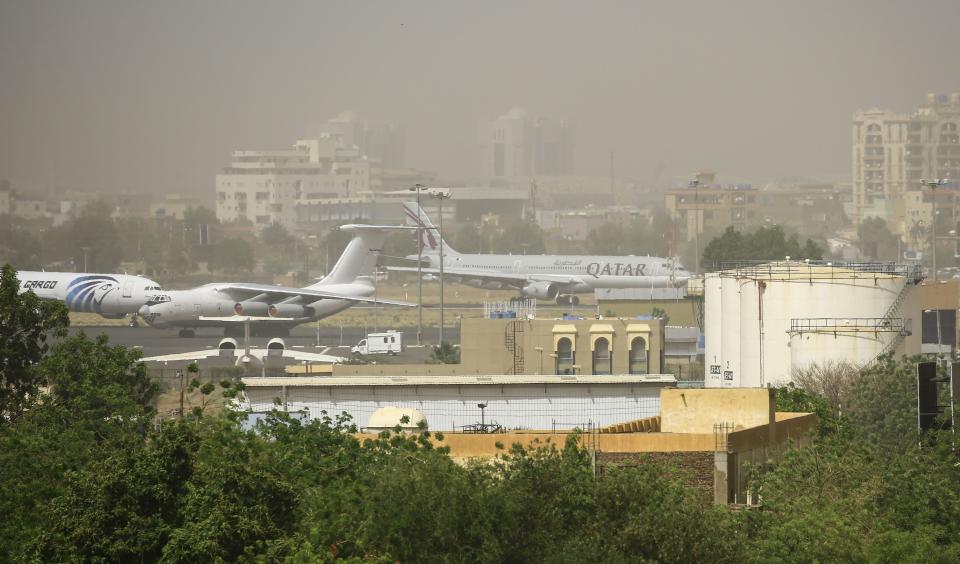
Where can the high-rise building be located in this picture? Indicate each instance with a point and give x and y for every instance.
(384, 143)
(893, 152)
(516, 144)
(265, 187)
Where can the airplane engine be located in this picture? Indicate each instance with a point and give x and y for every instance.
(227, 347)
(275, 347)
(289, 310)
(254, 309)
(540, 290)
(491, 285)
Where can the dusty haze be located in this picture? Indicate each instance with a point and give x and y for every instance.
(121, 95)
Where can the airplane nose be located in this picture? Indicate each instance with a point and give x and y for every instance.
(144, 311)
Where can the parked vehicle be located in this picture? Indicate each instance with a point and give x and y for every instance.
(390, 342)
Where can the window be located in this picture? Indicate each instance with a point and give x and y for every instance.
(601, 356)
(565, 356)
(638, 356)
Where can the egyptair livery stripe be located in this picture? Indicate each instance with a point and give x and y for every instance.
(83, 295)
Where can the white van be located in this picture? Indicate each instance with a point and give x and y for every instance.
(390, 342)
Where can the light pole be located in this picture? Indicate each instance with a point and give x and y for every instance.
(441, 196)
(695, 184)
(417, 188)
(933, 184)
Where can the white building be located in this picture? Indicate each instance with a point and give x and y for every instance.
(265, 187)
(892, 152)
(763, 321)
(516, 144)
(538, 402)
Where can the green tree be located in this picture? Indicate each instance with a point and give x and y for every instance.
(445, 353)
(233, 256)
(467, 239)
(520, 237)
(26, 323)
(765, 243)
(18, 246)
(877, 242)
(608, 239)
(91, 237)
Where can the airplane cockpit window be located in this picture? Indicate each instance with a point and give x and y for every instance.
(158, 299)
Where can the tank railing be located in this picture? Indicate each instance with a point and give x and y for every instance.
(801, 268)
(847, 324)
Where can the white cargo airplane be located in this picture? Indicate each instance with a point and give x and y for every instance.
(251, 357)
(278, 308)
(547, 277)
(112, 296)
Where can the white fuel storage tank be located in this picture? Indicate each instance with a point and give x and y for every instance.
(780, 316)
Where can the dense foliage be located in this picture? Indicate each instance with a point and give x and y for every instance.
(765, 243)
(87, 475)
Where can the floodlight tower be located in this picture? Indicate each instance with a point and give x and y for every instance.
(932, 185)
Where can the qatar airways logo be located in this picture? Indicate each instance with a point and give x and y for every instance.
(597, 269)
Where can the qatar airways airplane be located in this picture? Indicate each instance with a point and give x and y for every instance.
(547, 277)
(112, 296)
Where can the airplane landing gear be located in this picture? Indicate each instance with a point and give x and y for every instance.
(133, 321)
(186, 334)
(568, 300)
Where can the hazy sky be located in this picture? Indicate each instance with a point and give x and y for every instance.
(154, 96)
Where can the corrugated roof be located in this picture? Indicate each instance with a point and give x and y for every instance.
(452, 380)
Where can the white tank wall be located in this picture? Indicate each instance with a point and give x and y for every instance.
(735, 341)
(750, 375)
(818, 348)
(730, 325)
(712, 330)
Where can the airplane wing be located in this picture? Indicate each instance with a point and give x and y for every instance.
(515, 280)
(260, 354)
(265, 292)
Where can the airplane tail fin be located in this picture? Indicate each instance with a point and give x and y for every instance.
(359, 258)
(429, 235)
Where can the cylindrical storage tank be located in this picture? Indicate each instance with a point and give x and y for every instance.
(712, 330)
(825, 347)
(730, 326)
(750, 375)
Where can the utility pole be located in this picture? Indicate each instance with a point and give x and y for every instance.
(441, 196)
(933, 184)
(417, 188)
(695, 184)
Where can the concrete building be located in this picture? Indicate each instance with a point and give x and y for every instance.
(712, 207)
(450, 403)
(939, 303)
(763, 321)
(517, 144)
(543, 346)
(264, 187)
(892, 152)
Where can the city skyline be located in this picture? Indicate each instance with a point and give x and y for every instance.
(155, 97)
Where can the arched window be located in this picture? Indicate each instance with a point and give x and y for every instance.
(873, 127)
(601, 356)
(638, 356)
(565, 356)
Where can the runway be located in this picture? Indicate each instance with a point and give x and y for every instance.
(155, 342)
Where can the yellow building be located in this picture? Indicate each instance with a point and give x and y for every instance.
(544, 346)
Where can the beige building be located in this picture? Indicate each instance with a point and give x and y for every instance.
(892, 152)
(711, 207)
(518, 144)
(264, 187)
(544, 346)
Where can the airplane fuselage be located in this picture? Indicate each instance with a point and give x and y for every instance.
(185, 307)
(587, 272)
(110, 295)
